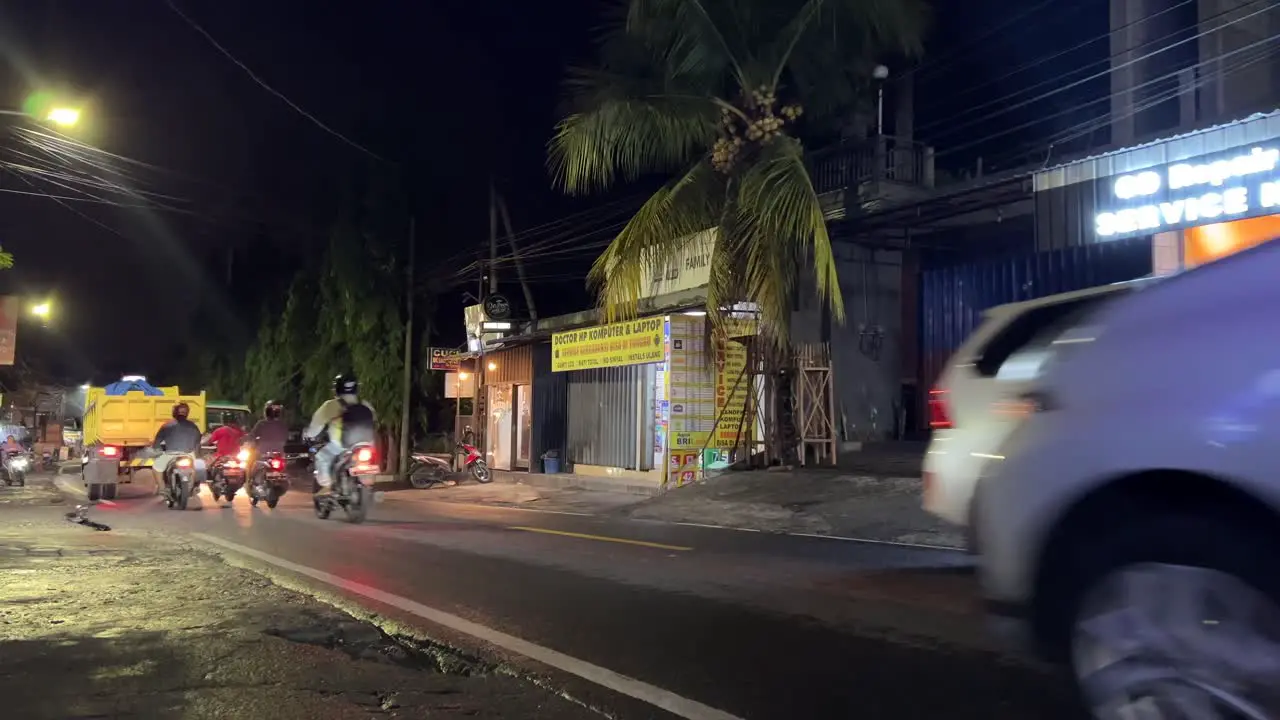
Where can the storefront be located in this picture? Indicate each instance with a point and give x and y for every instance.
(1198, 197)
(508, 408)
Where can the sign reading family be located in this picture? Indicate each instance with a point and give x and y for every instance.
(1186, 194)
(633, 342)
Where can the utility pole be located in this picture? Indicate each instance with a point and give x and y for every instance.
(493, 240)
(515, 254)
(407, 398)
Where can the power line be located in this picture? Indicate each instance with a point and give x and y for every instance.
(1079, 46)
(265, 86)
(973, 42)
(1153, 81)
(1009, 107)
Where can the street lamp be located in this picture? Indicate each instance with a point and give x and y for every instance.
(880, 73)
(42, 310)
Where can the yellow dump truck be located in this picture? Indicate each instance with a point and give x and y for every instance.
(121, 419)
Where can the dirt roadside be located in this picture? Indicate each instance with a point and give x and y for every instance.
(128, 624)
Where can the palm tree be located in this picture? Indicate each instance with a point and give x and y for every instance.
(711, 94)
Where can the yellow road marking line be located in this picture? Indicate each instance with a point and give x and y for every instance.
(601, 538)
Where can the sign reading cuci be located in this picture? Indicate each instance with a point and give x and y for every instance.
(1192, 193)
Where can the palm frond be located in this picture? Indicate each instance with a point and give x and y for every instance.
(690, 33)
(782, 228)
(667, 221)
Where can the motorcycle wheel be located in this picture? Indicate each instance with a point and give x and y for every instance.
(322, 509)
(481, 472)
(253, 501)
(358, 506)
(273, 497)
(425, 479)
(22, 481)
(183, 493)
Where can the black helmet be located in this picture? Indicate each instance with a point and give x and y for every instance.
(272, 410)
(346, 384)
(228, 418)
(181, 411)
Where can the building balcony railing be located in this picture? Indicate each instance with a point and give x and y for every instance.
(852, 163)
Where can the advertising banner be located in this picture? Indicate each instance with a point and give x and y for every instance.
(446, 359)
(9, 309)
(633, 342)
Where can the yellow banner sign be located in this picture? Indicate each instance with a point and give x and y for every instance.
(634, 342)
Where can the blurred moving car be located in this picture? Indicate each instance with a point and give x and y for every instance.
(1130, 524)
(975, 406)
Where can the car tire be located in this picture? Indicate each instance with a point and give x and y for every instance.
(95, 492)
(1169, 550)
(109, 491)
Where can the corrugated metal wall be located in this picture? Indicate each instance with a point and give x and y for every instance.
(513, 365)
(550, 407)
(952, 299)
(609, 410)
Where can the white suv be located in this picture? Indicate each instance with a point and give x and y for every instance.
(974, 406)
(1131, 525)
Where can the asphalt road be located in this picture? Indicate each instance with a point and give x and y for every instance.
(632, 616)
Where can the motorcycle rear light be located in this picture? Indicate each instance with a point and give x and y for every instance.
(275, 464)
(939, 410)
(364, 455)
(109, 451)
(243, 455)
(183, 462)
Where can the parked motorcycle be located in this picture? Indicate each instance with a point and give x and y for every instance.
(427, 470)
(268, 480)
(15, 470)
(180, 482)
(473, 462)
(353, 474)
(226, 475)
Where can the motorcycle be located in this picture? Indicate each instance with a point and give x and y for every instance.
(180, 482)
(353, 474)
(473, 462)
(427, 470)
(268, 480)
(226, 475)
(15, 470)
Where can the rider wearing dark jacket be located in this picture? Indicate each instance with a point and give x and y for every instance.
(271, 432)
(179, 435)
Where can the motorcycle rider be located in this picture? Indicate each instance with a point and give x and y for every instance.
(226, 438)
(11, 446)
(346, 420)
(270, 433)
(177, 437)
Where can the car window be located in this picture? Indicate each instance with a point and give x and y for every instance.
(1030, 334)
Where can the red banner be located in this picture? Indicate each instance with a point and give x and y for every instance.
(9, 309)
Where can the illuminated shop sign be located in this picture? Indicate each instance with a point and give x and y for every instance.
(1244, 184)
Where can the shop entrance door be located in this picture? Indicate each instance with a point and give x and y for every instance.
(524, 425)
(501, 428)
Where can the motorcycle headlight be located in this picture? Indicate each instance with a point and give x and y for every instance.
(20, 463)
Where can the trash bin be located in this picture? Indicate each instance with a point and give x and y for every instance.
(550, 465)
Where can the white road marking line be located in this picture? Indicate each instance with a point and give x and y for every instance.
(868, 541)
(656, 696)
(68, 487)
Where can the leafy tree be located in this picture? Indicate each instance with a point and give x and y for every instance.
(712, 92)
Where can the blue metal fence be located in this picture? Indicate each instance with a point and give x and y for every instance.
(952, 299)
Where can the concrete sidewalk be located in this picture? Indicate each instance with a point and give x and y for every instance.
(114, 624)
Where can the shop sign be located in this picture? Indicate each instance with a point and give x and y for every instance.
(1236, 185)
(447, 359)
(633, 342)
(686, 269)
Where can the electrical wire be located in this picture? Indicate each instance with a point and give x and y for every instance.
(1007, 106)
(1162, 78)
(1080, 46)
(265, 86)
(973, 42)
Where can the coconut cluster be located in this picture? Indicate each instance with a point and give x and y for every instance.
(760, 122)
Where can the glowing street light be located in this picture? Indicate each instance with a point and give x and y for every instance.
(42, 310)
(64, 116)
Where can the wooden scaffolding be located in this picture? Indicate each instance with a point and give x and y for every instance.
(815, 405)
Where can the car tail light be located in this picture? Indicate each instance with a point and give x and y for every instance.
(939, 410)
(364, 455)
(110, 451)
(243, 455)
(276, 464)
(183, 462)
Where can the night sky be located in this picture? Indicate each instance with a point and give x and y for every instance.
(458, 91)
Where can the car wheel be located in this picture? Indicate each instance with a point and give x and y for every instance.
(95, 492)
(1176, 613)
(109, 491)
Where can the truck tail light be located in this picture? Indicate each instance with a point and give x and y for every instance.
(109, 451)
(939, 409)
